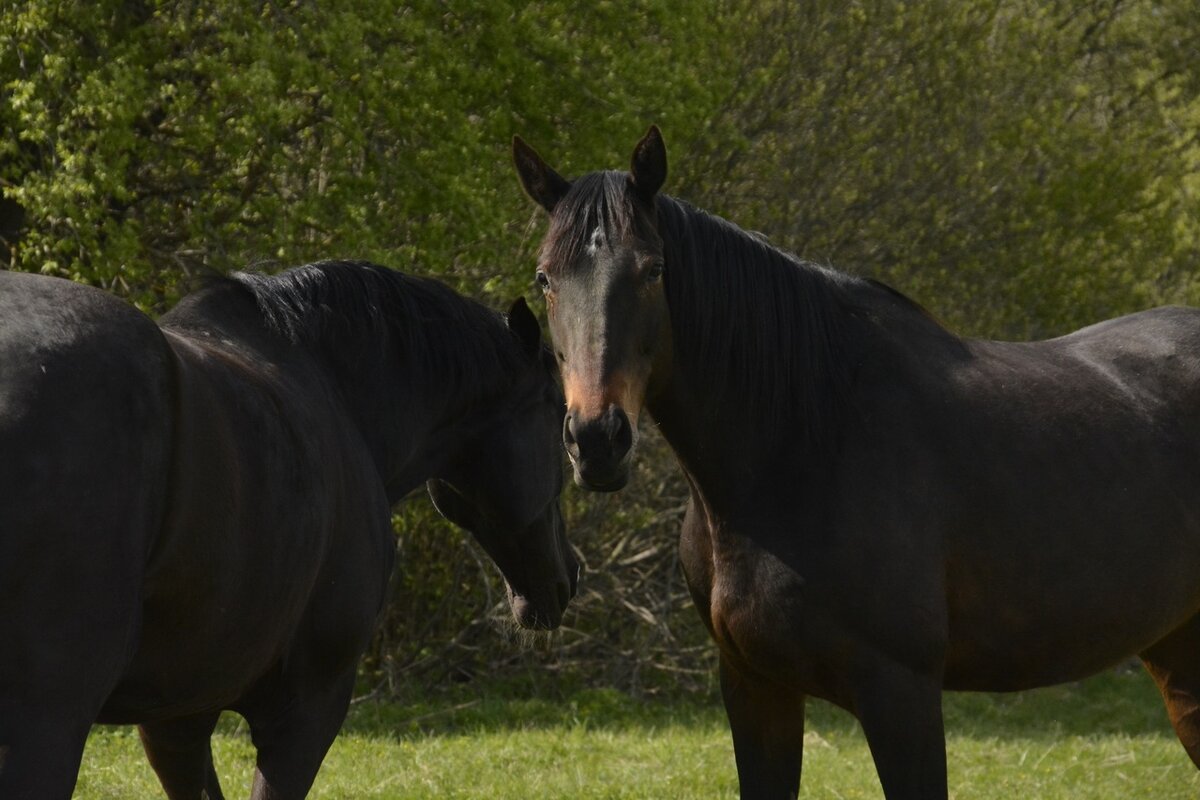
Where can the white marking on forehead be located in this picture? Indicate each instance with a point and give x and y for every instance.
(596, 240)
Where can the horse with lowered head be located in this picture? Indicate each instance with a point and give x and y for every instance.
(880, 509)
(196, 514)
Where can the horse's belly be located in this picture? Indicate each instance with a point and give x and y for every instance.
(134, 704)
(1017, 645)
(188, 671)
(975, 668)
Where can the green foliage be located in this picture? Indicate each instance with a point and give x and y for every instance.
(1018, 166)
(174, 137)
(1022, 167)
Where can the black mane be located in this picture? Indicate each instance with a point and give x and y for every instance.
(345, 311)
(758, 320)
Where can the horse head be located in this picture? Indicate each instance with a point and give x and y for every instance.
(602, 269)
(504, 487)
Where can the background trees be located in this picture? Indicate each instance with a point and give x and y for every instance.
(1021, 168)
(155, 140)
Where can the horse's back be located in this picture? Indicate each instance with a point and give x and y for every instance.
(54, 331)
(1131, 378)
(1165, 339)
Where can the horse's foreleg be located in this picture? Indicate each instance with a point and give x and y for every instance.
(901, 715)
(767, 722)
(1174, 663)
(180, 751)
(292, 735)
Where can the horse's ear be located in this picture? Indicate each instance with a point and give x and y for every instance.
(539, 180)
(524, 324)
(648, 170)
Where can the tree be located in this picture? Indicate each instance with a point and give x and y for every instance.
(170, 139)
(1016, 165)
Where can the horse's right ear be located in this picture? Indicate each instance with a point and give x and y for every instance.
(648, 170)
(540, 182)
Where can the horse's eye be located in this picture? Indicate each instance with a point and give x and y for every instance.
(543, 281)
(654, 272)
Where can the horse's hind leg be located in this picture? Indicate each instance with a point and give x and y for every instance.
(767, 724)
(54, 676)
(181, 753)
(40, 759)
(1174, 663)
(67, 622)
(292, 734)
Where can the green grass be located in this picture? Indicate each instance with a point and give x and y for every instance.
(1106, 738)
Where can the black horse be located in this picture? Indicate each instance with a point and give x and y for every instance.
(195, 515)
(880, 509)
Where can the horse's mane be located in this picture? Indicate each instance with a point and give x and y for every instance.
(346, 310)
(752, 324)
(759, 320)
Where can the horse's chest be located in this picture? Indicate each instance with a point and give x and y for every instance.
(752, 603)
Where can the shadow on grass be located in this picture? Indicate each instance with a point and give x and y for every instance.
(1119, 702)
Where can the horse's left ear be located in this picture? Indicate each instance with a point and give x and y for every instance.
(648, 170)
(524, 324)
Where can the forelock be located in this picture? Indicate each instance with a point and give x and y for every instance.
(597, 210)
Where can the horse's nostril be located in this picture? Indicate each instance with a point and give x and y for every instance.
(569, 430)
(620, 431)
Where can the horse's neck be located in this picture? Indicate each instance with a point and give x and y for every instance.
(414, 423)
(718, 458)
(732, 454)
(730, 425)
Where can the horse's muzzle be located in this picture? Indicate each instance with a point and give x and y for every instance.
(547, 614)
(530, 617)
(545, 580)
(600, 449)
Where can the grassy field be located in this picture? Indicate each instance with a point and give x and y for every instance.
(1106, 738)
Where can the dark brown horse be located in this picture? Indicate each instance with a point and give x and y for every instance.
(195, 515)
(880, 509)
